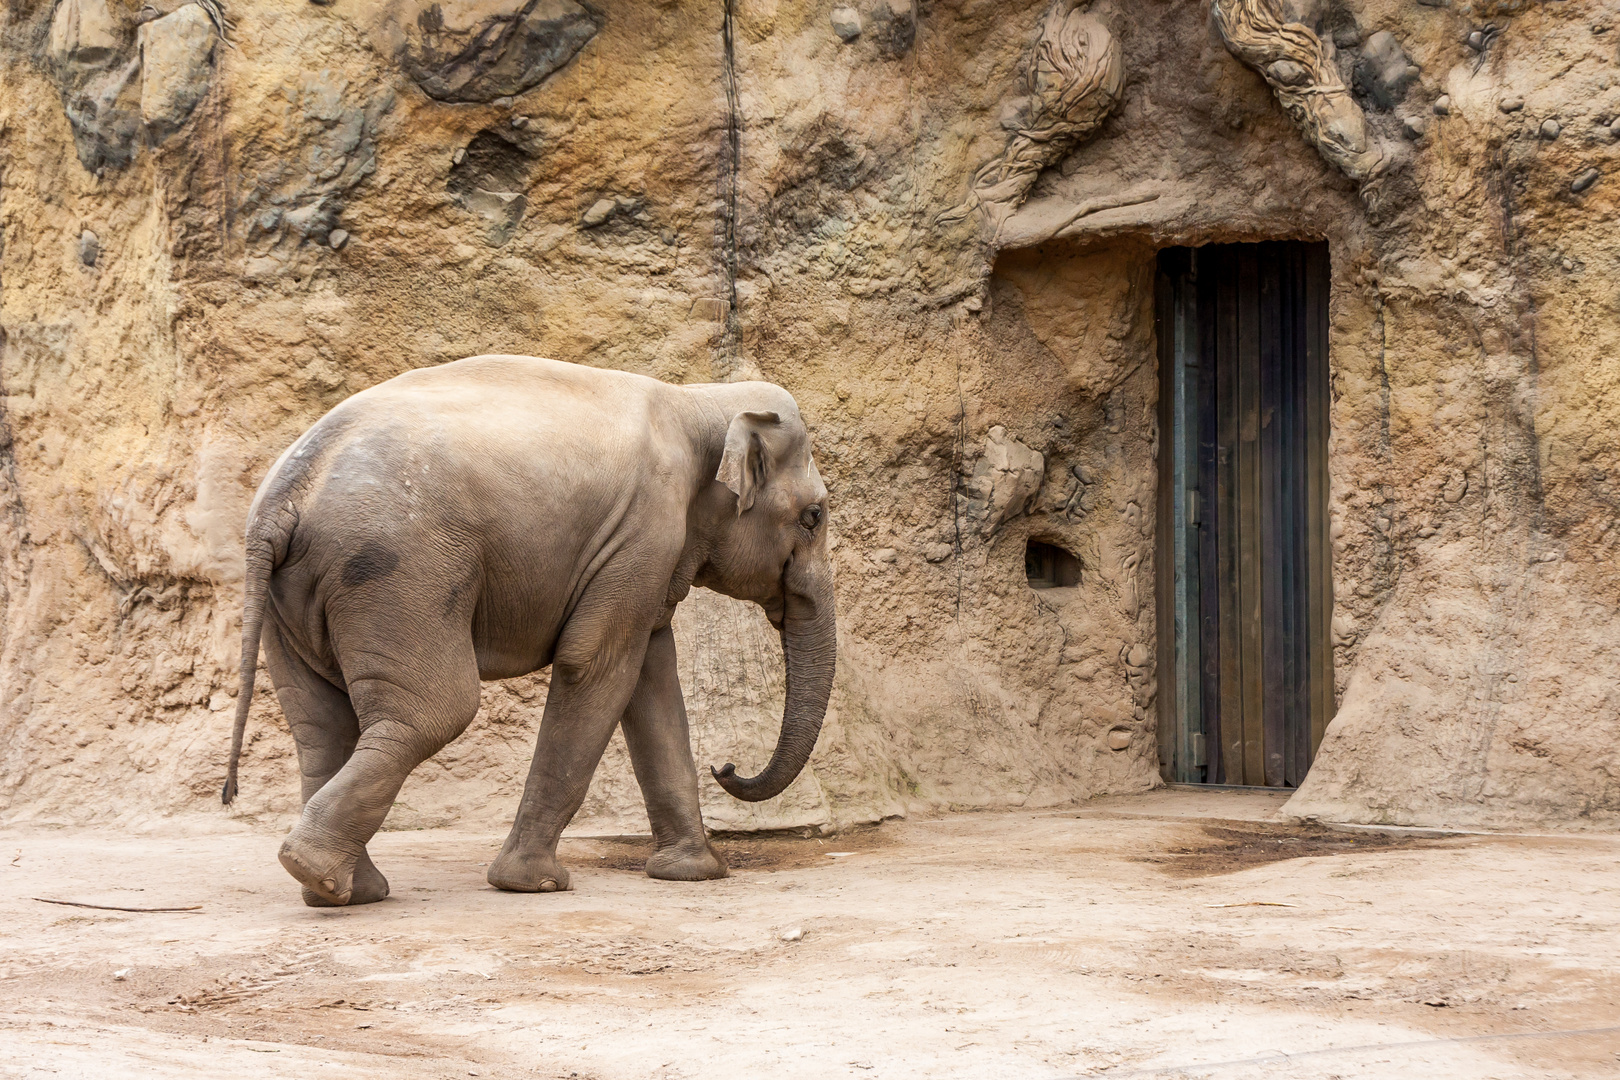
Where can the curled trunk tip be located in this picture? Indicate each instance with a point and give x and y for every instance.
(808, 649)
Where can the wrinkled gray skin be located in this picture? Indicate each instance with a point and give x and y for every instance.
(489, 517)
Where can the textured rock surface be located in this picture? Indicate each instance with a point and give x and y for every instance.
(1475, 352)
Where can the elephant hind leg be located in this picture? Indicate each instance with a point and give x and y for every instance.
(320, 716)
(325, 728)
(406, 713)
(655, 730)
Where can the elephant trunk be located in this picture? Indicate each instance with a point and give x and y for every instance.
(808, 645)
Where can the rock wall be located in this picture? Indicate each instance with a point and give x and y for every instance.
(934, 223)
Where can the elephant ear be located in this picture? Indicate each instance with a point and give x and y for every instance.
(744, 464)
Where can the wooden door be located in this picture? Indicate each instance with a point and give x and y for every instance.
(1245, 585)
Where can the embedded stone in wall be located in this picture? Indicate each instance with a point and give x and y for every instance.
(1384, 72)
(500, 210)
(83, 54)
(1003, 482)
(176, 67)
(846, 23)
(480, 50)
(103, 110)
(82, 31)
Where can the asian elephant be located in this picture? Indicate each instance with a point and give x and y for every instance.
(489, 517)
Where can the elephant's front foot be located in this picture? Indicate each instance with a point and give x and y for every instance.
(330, 875)
(369, 886)
(687, 862)
(517, 871)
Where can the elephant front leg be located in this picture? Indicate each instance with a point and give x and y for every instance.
(584, 705)
(655, 730)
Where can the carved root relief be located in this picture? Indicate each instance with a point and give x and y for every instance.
(1293, 60)
(1076, 78)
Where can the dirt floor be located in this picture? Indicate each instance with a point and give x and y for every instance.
(1178, 934)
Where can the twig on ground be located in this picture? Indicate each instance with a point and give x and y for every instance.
(109, 907)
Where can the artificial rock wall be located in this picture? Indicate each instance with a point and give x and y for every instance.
(934, 223)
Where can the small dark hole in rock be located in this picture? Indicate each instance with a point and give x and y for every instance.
(492, 163)
(1050, 567)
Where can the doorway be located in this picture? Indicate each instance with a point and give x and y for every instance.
(1245, 580)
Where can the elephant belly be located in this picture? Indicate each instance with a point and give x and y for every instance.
(515, 629)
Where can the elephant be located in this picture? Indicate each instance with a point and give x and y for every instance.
(489, 517)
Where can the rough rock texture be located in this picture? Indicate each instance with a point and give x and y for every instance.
(355, 190)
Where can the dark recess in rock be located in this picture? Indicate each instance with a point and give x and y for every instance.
(490, 162)
(501, 56)
(894, 27)
(489, 179)
(104, 125)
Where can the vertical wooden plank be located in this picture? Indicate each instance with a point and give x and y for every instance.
(1298, 721)
(1222, 265)
(1284, 555)
(1271, 512)
(1163, 328)
(1184, 552)
(1318, 541)
(1209, 586)
(1248, 512)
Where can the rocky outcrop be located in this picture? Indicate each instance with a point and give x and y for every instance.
(176, 56)
(1002, 482)
(477, 50)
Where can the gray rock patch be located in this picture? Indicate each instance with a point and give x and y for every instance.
(475, 55)
(1383, 73)
(846, 23)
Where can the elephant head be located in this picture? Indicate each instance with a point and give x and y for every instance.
(767, 511)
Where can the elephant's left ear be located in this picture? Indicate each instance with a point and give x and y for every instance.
(744, 464)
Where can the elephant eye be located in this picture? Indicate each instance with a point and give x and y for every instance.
(811, 516)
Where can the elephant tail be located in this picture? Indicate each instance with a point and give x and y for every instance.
(261, 561)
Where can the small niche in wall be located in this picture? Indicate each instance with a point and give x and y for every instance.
(1050, 567)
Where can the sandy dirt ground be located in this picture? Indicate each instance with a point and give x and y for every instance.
(1178, 934)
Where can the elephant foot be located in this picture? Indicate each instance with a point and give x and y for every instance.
(517, 872)
(330, 875)
(680, 863)
(369, 886)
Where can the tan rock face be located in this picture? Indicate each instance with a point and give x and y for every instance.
(319, 214)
